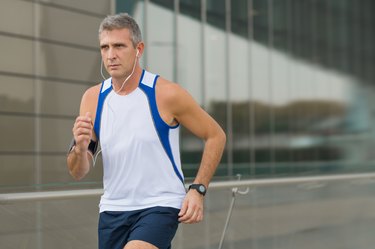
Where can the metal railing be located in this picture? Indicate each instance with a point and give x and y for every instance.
(238, 187)
(69, 194)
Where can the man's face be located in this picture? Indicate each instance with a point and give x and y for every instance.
(118, 52)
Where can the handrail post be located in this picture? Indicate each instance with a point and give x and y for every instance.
(235, 191)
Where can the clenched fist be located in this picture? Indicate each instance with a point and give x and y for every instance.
(82, 131)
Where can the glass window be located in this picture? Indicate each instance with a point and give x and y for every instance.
(239, 17)
(16, 55)
(160, 38)
(86, 6)
(190, 49)
(56, 134)
(53, 98)
(16, 94)
(191, 8)
(17, 173)
(261, 92)
(7, 12)
(280, 85)
(17, 134)
(216, 13)
(215, 64)
(69, 63)
(190, 75)
(239, 85)
(65, 26)
(54, 174)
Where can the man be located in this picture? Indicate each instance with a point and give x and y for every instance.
(136, 116)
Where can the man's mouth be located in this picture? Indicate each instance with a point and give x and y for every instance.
(113, 66)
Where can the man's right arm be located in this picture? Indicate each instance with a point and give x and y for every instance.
(78, 164)
(78, 159)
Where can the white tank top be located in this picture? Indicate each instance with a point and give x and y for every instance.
(141, 156)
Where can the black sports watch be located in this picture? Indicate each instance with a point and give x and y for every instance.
(199, 187)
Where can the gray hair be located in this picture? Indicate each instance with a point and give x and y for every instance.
(122, 21)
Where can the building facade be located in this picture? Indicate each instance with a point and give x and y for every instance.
(291, 82)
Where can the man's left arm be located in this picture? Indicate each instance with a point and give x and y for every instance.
(189, 114)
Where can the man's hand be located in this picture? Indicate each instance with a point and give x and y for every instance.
(77, 162)
(82, 131)
(192, 208)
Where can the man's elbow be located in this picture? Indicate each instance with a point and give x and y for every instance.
(76, 175)
(223, 137)
(220, 137)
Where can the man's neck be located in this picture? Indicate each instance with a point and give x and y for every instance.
(124, 88)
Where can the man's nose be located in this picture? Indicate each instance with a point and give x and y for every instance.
(111, 54)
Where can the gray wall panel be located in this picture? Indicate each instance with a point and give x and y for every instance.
(17, 134)
(69, 63)
(20, 23)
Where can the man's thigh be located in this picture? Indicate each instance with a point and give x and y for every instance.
(138, 244)
(156, 226)
(142, 229)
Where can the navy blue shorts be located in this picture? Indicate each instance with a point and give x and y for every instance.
(157, 225)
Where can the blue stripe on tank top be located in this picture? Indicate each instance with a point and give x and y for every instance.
(161, 127)
(99, 109)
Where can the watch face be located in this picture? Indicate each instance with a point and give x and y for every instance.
(202, 189)
(199, 187)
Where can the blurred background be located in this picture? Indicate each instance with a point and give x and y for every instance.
(290, 81)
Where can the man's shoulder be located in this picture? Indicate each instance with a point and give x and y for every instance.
(167, 85)
(93, 91)
(170, 92)
(90, 96)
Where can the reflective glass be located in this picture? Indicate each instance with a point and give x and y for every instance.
(191, 8)
(71, 27)
(53, 98)
(215, 64)
(190, 49)
(17, 134)
(94, 7)
(239, 86)
(262, 89)
(16, 94)
(161, 39)
(280, 84)
(239, 17)
(54, 174)
(69, 63)
(216, 13)
(51, 224)
(17, 172)
(7, 12)
(55, 134)
(17, 55)
(190, 75)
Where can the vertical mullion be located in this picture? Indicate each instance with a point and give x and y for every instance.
(145, 33)
(175, 39)
(250, 33)
(270, 88)
(203, 52)
(227, 80)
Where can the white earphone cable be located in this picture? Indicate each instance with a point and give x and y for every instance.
(95, 156)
